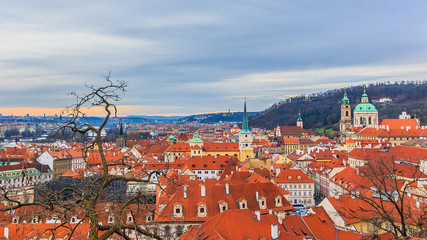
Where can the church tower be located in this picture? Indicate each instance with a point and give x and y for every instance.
(345, 122)
(245, 138)
(299, 121)
(121, 138)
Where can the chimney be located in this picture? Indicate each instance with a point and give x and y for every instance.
(258, 215)
(185, 191)
(344, 162)
(277, 171)
(357, 170)
(227, 189)
(418, 204)
(337, 197)
(388, 128)
(6, 232)
(203, 190)
(274, 231)
(270, 211)
(256, 195)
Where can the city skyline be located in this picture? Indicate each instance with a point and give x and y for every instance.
(190, 57)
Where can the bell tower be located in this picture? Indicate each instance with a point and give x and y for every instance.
(245, 138)
(345, 122)
(299, 121)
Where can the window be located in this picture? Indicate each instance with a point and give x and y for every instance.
(177, 210)
(202, 210)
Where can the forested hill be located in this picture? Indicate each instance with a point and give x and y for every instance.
(322, 110)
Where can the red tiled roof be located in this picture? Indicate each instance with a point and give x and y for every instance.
(293, 176)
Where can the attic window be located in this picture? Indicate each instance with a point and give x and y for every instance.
(73, 220)
(130, 218)
(110, 219)
(289, 178)
(299, 177)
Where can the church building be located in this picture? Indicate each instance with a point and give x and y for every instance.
(365, 115)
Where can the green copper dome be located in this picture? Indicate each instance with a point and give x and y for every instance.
(365, 107)
(299, 117)
(196, 138)
(171, 137)
(345, 99)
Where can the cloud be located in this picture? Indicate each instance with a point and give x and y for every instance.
(192, 56)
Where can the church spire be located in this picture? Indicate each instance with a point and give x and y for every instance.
(245, 125)
(345, 99)
(121, 132)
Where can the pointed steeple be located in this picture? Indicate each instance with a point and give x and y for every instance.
(121, 132)
(299, 117)
(152, 140)
(245, 124)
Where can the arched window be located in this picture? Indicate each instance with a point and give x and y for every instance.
(369, 121)
(346, 113)
(361, 120)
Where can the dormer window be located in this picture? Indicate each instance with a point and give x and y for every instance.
(201, 210)
(262, 203)
(110, 219)
(35, 220)
(15, 219)
(129, 218)
(223, 206)
(177, 210)
(278, 201)
(243, 204)
(149, 218)
(73, 220)
(289, 178)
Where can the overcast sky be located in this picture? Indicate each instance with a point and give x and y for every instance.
(185, 57)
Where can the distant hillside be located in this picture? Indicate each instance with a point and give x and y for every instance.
(322, 110)
(214, 117)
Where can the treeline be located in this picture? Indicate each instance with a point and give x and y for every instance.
(322, 110)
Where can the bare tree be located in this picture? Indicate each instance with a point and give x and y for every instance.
(382, 199)
(78, 201)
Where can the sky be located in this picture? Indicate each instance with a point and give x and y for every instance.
(186, 57)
